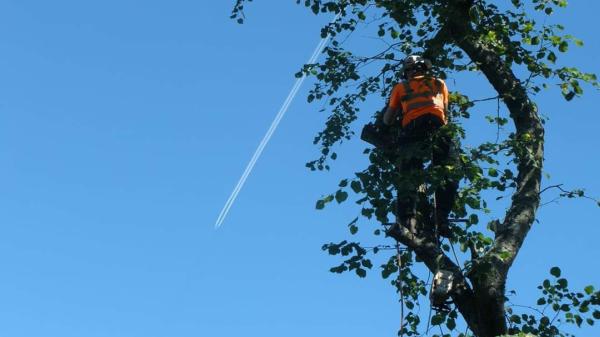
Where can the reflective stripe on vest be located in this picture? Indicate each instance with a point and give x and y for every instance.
(417, 105)
(417, 95)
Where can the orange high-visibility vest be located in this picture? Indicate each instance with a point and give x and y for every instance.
(420, 96)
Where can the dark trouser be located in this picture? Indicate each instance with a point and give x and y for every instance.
(422, 140)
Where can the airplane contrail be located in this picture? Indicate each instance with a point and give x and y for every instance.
(284, 107)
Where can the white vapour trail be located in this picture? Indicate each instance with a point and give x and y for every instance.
(285, 106)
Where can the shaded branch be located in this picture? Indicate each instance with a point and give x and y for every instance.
(427, 248)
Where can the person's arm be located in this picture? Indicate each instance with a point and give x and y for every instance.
(445, 92)
(390, 115)
(393, 108)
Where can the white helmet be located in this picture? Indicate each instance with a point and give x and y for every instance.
(415, 62)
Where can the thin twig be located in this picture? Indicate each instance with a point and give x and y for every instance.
(555, 316)
(566, 193)
(549, 187)
(526, 307)
(485, 99)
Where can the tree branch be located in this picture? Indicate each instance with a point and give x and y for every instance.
(427, 248)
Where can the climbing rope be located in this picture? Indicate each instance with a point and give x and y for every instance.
(399, 284)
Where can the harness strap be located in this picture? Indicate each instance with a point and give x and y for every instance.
(407, 89)
(417, 105)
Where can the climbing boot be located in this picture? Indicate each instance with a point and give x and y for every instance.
(441, 288)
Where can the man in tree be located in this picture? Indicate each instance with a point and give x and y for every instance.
(422, 103)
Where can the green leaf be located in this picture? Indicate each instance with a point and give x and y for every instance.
(367, 212)
(563, 283)
(596, 314)
(546, 283)
(555, 271)
(437, 319)
(341, 196)
(332, 249)
(315, 8)
(563, 47)
(578, 320)
(320, 204)
(451, 324)
(355, 186)
(589, 290)
(569, 96)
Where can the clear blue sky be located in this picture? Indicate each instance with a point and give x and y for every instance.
(124, 125)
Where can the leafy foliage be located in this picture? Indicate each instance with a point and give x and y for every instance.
(558, 306)
(517, 33)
